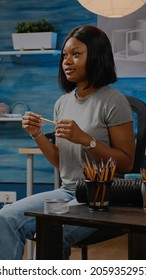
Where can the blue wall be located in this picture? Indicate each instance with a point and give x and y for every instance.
(33, 80)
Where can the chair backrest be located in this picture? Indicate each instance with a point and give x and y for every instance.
(139, 110)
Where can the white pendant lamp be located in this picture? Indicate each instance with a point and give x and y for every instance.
(112, 8)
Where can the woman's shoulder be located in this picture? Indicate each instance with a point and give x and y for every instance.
(112, 92)
(112, 95)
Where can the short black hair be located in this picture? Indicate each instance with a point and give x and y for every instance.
(100, 65)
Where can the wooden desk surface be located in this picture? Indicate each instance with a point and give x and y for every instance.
(123, 217)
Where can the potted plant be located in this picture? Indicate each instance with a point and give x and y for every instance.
(34, 35)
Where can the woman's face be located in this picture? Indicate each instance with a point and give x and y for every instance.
(74, 61)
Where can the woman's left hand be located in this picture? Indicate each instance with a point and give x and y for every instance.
(68, 129)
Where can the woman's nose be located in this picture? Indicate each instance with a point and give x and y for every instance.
(68, 60)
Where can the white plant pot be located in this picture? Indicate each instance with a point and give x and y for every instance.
(34, 41)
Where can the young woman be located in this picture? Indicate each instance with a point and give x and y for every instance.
(91, 117)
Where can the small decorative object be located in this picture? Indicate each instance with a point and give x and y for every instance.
(56, 206)
(20, 108)
(11, 116)
(136, 46)
(143, 187)
(34, 35)
(4, 108)
(98, 182)
(132, 176)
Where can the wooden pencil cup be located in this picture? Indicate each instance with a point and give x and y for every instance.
(98, 193)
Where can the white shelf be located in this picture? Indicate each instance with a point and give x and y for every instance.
(136, 58)
(4, 119)
(31, 52)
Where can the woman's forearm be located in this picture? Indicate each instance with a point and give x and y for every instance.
(49, 149)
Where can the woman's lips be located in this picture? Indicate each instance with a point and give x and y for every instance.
(69, 71)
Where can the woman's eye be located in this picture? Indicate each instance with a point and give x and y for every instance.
(76, 54)
(64, 55)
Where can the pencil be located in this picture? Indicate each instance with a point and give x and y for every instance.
(46, 120)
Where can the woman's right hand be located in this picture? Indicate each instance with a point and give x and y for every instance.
(31, 123)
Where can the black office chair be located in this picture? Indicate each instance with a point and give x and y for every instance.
(138, 108)
(139, 112)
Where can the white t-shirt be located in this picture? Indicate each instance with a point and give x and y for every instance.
(94, 114)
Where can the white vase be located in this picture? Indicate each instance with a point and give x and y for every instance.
(141, 24)
(34, 41)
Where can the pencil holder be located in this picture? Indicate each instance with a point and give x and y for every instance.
(98, 193)
(81, 191)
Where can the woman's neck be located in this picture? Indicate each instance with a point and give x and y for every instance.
(83, 93)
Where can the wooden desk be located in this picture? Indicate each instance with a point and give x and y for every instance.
(49, 229)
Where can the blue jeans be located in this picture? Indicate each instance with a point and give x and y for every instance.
(15, 227)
